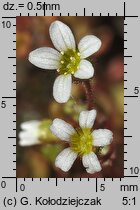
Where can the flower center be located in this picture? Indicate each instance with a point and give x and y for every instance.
(69, 62)
(81, 141)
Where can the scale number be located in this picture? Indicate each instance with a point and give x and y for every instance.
(6, 24)
(136, 90)
(22, 187)
(3, 104)
(102, 187)
(134, 170)
(3, 184)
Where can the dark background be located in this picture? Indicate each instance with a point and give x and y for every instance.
(35, 101)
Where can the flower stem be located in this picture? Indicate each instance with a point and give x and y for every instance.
(89, 94)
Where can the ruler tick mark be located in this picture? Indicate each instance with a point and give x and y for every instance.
(44, 8)
(127, 136)
(16, 184)
(135, 16)
(56, 182)
(96, 185)
(131, 96)
(124, 10)
(8, 17)
(127, 56)
(11, 137)
(9, 97)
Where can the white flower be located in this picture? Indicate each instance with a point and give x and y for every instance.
(83, 142)
(29, 134)
(67, 59)
(35, 132)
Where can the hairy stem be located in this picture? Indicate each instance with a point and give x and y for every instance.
(89, 94)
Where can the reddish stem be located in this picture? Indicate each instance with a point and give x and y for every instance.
(89, 94)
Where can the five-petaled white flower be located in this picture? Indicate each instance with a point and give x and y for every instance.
(83, 142)
(35, 132)
(67, 59)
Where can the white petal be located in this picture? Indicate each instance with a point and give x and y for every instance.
(65, 159)
(31, 134)
(61, 129)
(91, 163)
(62, 88)
(28, 142)
(45, 58)
(61, 36)
(85, 70)
(87, 118)
(102, 137)
(89, 45)
(27, 138)
(29, 124)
